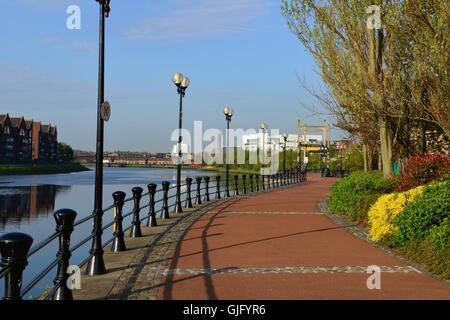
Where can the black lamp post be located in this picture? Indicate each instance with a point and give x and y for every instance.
(284, 153)
(182, 84)
(299, 164)
(290, 166)
(96, 264)
(228, 114)
(320, 160)
(263, 128)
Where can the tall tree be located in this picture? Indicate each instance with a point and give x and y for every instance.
(65, 152)
(391, 75)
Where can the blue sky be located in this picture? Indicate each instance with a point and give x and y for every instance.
(236, 52)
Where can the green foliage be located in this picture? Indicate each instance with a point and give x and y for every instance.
(362, 207)
(353, 160)
(65, 152)
(420, 170)
(40, 169)
(427, 216)
(353, 194)
(435, 259)
(47, 289)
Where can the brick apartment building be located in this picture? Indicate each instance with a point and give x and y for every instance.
(26, 140)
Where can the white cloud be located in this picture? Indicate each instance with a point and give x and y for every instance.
(199, 18)
(72, 45)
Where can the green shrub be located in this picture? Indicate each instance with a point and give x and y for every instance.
(354, 194)
(428, 215)
(362, 208)
(427, 253)
(421, 170)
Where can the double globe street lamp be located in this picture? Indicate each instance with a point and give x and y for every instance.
(182, 84)
(228, 114)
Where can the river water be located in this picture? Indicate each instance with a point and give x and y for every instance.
(27, 204)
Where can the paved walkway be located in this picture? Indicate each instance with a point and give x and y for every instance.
(271, 245)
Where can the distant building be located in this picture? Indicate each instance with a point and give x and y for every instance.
(7, 138)
(45, 142)
(26, 140)
(341, 144)
(254, 141)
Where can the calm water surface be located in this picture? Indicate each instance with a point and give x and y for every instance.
(27, 204)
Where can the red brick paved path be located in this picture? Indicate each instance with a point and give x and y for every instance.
(277, 245)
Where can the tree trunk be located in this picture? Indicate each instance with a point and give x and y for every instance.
(370, 155)
(386, 148)
(365, 158)
(422, 138)
(380, 165)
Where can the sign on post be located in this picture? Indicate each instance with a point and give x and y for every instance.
(105, 111)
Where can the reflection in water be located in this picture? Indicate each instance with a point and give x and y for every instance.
(17, 203)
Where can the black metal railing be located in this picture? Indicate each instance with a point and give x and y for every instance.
(15, 247)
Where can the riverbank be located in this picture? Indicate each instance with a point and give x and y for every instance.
(184, 167)
(30, 169)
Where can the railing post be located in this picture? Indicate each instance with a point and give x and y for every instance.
(64, 220)
(250, 176)
(236, 185)
(165, 206)
(257, 182)
(151, 221)
(14, 249)
(135, 231)
(273, 181)
(283, 179)
(244, 187)
(96, 264)
(188, 193)
(278, 176)
(263, 183)
(206, 188)
(198, 198)
(218, 187)
(118, 243)
(268, 182)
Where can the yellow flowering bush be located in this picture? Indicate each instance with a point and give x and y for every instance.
(385, 209)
